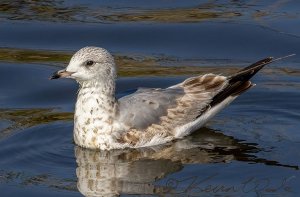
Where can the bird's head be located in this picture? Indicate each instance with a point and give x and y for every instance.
(89, 64)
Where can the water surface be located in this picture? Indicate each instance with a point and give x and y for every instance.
(249, 149)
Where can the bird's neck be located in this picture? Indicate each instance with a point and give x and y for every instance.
(96, 108)
(105, 87)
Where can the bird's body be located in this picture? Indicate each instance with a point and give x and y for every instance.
(145, 118)
(149, 116)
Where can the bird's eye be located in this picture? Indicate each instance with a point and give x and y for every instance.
(89, 63)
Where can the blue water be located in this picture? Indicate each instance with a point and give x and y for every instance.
(249, 149)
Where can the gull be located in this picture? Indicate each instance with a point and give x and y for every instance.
(149, 116)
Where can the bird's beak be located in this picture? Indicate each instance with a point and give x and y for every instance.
(61, 74)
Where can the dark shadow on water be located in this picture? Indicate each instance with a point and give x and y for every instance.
(135, 171)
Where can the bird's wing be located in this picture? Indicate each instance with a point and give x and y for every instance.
(145, 107)
(171, 107)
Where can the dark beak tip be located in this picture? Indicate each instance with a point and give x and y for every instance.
(55, 75)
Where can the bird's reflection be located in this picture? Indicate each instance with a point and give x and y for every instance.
(134, 171)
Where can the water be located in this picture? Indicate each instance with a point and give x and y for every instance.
(250, 149)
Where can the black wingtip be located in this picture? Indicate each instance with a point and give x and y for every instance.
(239, 82)
(249, 71)
(55, 75)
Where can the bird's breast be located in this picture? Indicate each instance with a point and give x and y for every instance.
(93, 122)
